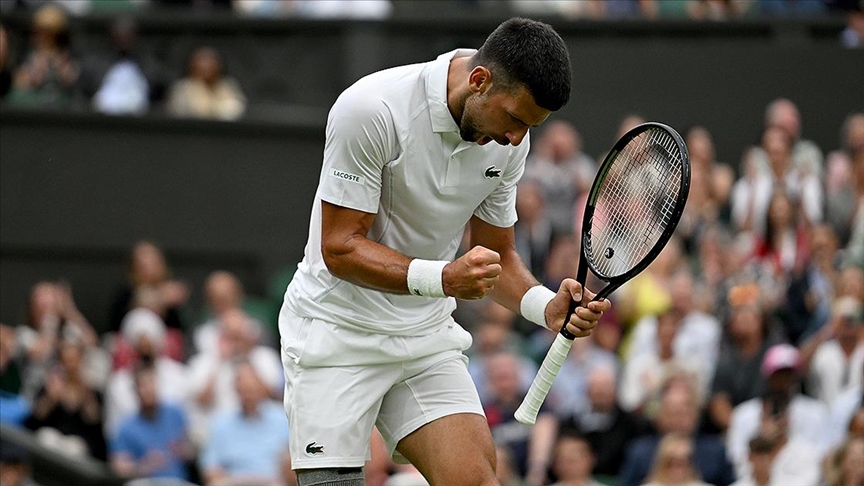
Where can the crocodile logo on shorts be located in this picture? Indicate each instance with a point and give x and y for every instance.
(312, 449)
(492, 172)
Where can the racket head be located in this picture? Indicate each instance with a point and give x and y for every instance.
(635, 204)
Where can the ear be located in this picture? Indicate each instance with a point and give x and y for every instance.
(479, 80)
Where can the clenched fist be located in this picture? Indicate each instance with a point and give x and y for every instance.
(473, 275)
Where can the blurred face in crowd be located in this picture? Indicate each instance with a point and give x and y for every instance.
(148, 264)
(778, 147)
(854, 132)
(529, 202)
(746, 322)
(43, 302)
(49, 22)
(601, 389)
(823, 244)
(701, 147)
(223, 291)
(675, 461)
(573, 459)
(206, 65)
(852, 283)
(147, 389)
(678, 412)
(784, 115)
(71, 358)
(780, 212)
(560, 141)
(783, 381)
(503, 372)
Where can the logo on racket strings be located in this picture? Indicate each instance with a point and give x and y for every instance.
(609, 253)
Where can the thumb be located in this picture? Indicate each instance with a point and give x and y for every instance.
(574, 288)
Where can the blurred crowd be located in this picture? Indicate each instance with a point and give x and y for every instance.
(40, 65)
(736, 358)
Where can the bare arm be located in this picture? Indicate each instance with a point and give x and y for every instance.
(516, 279)
(351, 256)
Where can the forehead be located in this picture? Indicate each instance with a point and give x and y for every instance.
(520, 103)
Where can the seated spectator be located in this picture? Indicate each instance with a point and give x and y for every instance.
(223, 292)
(49, 73)
(206, 92)
(212, 375)
(533, 232)
(843, 189)
(120, 85)
(806, 156)
(845, 466)
(149, 284)
(151, 443)
(5, 63)
(737, 377)
(604, 424)
(249, 443)
(146, 332)
(833, 358)
(570, 395)
(674, 463)
(52, 316)
(761, 453)
(15, 467)
(531, 446)
(572, 461)
(678, 413)
(563, 171)
(801, 419)
(67, 412)
(710, 186)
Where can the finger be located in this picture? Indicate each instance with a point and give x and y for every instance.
(492, 270)
(572, 287)
(587, 314)
(600, 305)
(578, 331)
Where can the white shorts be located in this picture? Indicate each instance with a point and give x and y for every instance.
(340, 382)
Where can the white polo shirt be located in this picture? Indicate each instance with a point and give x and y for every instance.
(393, 149)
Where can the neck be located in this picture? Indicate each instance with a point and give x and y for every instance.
(456, 88)
(148, 411)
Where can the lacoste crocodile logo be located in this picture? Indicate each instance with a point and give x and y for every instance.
(312, 449)
(492, 172)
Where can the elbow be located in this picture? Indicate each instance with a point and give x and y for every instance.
(335, 257)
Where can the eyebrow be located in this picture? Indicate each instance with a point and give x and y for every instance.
(522, 122)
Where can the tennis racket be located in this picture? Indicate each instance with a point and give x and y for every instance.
(633, 208)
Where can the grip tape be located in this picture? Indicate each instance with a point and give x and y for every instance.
(530, 407)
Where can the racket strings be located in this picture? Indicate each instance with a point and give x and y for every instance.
(635, 203)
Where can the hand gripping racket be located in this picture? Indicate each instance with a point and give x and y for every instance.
(633, 208)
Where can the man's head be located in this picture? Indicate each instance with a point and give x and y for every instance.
(847, 314)
(223, 291)
(602, 388)
(518, 77)
(679, 409)
(781, 367)
(146, 387)
(782, 113)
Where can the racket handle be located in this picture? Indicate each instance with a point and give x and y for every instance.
(530, 407)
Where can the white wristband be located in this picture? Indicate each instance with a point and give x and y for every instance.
(533, 304)
(424, 277)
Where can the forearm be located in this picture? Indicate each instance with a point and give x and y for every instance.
(368, 264)
(515, 280)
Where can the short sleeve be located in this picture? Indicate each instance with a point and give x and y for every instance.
(361, 139)
(499, 208)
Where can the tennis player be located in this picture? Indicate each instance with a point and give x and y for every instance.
(413, 156)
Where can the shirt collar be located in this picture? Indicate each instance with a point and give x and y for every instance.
(436, 90)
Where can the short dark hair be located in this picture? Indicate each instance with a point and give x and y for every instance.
(530, 53)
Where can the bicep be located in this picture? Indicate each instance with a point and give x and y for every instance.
(341, 225)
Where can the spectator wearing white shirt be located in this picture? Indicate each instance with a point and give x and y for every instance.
(834, 356)
(801, 418)
(212, 374)
(146, 332)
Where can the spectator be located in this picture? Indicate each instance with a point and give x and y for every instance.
(67, 412)
(678, 413)
(846, 465)
(844, 410)
(49, 73)
(852, 36)
(737, 377)
(149, 284)
(146, 332)
(212, 375)
(14, 409)
(533, 232)
(604, 424)
(206, 92)
(248, 443)
(151, 443)
(820, 279)
(573, 461)
(15, 468)
(223, 293)
(782, 406)
(531, 446)
(5, 63)
(844, 185)
(766, 170)
(648, 293)
(505, 471)
(762, 451)
(563, 171)
(674, 463)
(833, 358)
(646, 371)
(570, 395)
(118, 83)
(52, 315)
(806, 156)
